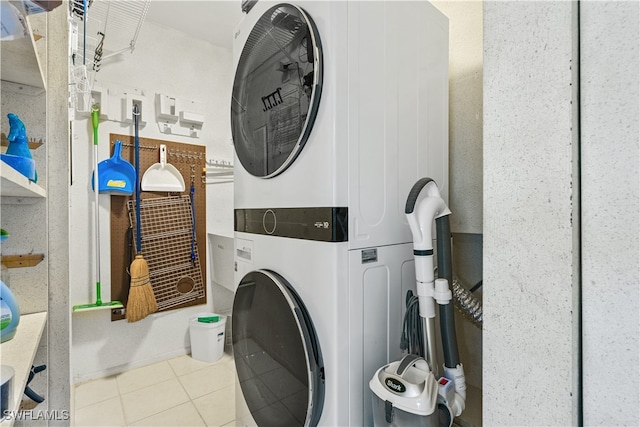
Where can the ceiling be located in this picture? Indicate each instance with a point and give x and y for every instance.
(210, 20)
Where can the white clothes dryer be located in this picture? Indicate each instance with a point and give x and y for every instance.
(312, 321)
(340, 104)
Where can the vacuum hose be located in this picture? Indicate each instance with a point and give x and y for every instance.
(445, 271)
(425, 204)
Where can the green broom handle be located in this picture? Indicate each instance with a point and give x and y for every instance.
(95, 115)
(95, 119)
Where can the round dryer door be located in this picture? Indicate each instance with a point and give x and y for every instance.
(276, 90)
(277, 355)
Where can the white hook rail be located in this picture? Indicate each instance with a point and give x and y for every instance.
(217, 170)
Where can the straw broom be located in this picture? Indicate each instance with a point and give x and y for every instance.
(141, 301)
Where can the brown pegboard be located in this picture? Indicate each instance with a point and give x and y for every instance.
(185, 157)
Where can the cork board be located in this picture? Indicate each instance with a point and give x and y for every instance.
(190, 160)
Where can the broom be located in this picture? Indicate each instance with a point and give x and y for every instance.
(142, 301)
(99, 304)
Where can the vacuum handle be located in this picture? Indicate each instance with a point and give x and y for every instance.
(414, 193)
(408, 361)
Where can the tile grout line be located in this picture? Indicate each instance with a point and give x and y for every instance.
(190, 399)
(127, 422)
(226, 363)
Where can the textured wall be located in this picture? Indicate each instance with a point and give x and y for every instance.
(59, 342)
(528, 238)
(609, 68)
(27, 223)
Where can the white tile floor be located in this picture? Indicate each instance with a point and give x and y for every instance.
(181, 392)
(177, 392)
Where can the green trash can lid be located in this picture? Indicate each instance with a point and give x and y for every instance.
(208, 319)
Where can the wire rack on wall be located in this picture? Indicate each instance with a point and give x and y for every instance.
(99, 30)
(170, 249)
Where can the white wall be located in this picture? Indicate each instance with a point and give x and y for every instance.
(610, 100)
(169, 62)
(465, 113)
(529, 93)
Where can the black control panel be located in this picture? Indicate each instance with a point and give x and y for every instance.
(324, 224)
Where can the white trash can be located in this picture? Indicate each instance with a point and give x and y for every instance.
(206, 332)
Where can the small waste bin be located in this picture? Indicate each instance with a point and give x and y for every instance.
(206, 332)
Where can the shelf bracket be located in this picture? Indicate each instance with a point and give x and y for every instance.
(19, 261)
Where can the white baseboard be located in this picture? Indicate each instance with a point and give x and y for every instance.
(115, 370)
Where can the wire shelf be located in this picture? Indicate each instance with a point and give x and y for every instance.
(106, 29)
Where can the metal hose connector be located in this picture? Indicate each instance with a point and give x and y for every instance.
(467, 303)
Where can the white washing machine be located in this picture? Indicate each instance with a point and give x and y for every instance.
(312, 321)
(341, 104)
(338, 109)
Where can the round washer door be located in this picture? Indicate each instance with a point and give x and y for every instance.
(277, 354)
(276, 90)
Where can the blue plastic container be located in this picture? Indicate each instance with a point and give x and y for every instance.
(18, 155)
(9, 313)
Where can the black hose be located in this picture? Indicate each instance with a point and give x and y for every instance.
(445, 271)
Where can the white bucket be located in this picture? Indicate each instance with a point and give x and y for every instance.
(207, 336)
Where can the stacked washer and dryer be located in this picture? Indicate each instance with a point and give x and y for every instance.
(338, 108)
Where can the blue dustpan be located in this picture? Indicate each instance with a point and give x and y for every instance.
(116, 175)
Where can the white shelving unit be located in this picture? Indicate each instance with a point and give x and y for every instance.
(21, 65)
(14, 184)
(19, 353)
(20, 62)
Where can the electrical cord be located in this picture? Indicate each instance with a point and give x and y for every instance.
(476, 287)
(412, 336)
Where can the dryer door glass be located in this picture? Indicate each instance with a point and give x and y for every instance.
(277, 355)
(276, 90)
